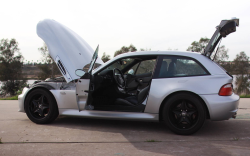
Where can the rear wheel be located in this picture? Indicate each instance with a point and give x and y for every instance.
(184, 113)
(40, 106)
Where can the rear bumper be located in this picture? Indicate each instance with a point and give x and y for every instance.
(221, 107)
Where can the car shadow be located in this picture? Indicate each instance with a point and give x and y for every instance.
(150, 136)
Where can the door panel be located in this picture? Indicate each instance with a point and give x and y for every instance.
(138, 81)
(142, 76)
(82, 87)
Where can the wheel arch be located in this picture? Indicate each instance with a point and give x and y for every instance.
(170, 95)
(44, 87)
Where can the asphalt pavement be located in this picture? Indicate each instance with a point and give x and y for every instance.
(82, 136)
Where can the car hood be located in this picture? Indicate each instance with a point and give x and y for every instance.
(69, 51)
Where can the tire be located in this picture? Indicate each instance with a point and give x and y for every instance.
(184, 113)
(40, 106)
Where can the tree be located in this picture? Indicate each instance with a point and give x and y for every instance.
(242, 84)
(220, 57)
(147, 49)
(105, 57)
(11, 61)
(124, 49)
(198, 46)
(241, 64)
(241, 68)
(48, 68)
(45, 53)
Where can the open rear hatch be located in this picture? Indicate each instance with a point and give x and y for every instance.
(225, 28)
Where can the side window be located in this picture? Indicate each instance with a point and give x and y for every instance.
(177, 66)
(133, 68)
(146, 66)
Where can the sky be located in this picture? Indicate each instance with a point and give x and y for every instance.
(148, 24)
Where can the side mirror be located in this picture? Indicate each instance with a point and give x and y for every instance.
(131, 71)
(79, 72)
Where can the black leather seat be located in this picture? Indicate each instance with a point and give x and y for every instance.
(164, 69)
(133, 100)
(171, 69)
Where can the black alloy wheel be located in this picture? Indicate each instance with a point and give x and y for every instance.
(184, 113)
(40, 106)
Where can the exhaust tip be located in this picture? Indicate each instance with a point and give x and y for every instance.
(234, 116)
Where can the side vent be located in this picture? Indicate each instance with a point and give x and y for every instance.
(59, 64)
(63, 69)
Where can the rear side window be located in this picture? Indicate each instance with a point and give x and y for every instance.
(178, 66)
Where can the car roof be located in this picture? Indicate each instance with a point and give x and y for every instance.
(206, 62)
(182, 53)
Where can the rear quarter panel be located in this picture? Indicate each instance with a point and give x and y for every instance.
(200, 85)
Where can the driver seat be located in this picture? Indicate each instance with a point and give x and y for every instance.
(133, 100)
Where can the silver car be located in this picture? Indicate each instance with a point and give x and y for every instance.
(182, 89)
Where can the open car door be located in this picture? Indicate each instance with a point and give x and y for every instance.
(225, 28)
(83, 85)
(70, 53)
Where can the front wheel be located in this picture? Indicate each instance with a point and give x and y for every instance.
(184, 113)
(40, 106)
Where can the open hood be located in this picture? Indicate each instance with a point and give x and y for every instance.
(225, 28)
(69, 51)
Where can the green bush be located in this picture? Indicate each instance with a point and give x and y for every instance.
(244, 96)
(12, 88)
(10, 98)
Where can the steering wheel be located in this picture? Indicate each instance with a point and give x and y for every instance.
(119, 78)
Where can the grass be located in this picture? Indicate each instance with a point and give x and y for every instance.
(10, 98)
(235, 138)
(244, 96)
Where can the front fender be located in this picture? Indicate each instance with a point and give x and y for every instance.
(26, 91)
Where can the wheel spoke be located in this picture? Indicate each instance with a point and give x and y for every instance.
(190, 113)
(45, 106)
(180, 121)
(177, 113)
(34, 102)
(187, 121)
(41, 99)
(183, 105)
(41, 112)
(36, 110)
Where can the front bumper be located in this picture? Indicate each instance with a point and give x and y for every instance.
(21, 98)
(222, 107)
